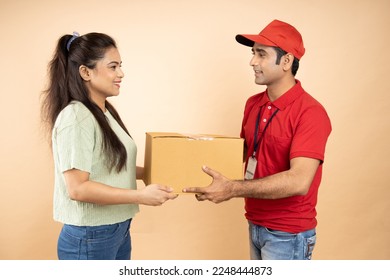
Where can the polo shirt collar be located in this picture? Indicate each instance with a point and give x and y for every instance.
(287, 98)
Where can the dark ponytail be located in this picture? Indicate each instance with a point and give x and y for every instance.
(66, 85)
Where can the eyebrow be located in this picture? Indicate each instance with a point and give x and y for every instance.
(258, 50)
(115, 62)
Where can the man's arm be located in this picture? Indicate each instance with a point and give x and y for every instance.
(295, 181)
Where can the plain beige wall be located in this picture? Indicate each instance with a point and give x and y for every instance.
(185, 73)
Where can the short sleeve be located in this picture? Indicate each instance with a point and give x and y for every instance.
(311, 135)
(74, 145)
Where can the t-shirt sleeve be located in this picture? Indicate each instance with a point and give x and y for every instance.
(311, 135)
(75, 144)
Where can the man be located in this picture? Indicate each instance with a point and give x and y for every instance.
(285, 131)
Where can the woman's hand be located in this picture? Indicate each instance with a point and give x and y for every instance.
(155, 195)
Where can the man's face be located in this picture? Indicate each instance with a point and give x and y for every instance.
(267, 72)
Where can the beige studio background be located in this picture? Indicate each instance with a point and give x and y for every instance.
(185, 73)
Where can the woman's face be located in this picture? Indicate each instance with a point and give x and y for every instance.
(106, 77)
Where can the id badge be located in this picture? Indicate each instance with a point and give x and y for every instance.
(251, 168)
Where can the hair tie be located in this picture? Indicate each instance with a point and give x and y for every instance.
(75, 35)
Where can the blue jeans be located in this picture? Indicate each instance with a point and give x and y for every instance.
(267, 244)
(107, 242)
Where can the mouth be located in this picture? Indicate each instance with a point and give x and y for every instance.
(257, 72)
(117, 84)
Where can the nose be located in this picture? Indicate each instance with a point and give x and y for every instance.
(253, 61)
(121, 74)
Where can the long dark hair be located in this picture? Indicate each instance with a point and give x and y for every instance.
(66, 85)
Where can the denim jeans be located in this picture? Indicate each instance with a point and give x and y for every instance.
(267, 244)
(107, 242)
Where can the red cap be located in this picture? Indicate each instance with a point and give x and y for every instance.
(276, 34)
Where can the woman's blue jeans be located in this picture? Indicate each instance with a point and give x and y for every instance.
(107, 242)
(267, 244)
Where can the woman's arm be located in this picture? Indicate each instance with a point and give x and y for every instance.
(80, 188)
(140, 173)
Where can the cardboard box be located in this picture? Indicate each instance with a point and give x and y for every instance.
(176, 160)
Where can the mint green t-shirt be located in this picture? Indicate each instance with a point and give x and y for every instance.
(77, 144)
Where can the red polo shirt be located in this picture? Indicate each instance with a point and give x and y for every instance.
(299, 129)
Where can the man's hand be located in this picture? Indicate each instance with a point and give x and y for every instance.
(220, 189)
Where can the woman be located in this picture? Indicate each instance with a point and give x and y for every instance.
(95, 194)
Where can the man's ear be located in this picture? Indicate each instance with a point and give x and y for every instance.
(85, 73)
(288, 60)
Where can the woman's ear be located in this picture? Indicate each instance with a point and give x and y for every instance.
(85, 73)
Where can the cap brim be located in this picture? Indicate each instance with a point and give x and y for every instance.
(244, 41)
(249, 40)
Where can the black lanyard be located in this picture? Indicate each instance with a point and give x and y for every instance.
(255, 142)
